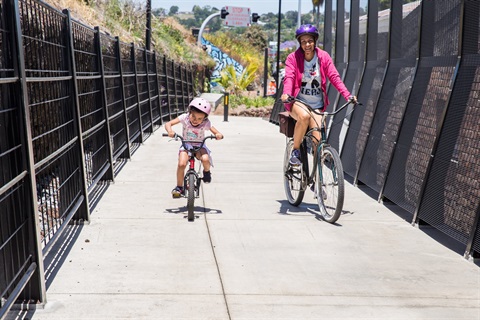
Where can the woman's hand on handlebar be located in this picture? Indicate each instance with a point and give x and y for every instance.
(353, 99)
(286, 98)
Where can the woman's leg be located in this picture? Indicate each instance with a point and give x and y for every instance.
(299, 113)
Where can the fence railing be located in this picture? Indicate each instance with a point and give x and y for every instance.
(415, 141)
(74, 105)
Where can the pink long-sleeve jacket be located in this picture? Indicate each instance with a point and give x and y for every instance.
(294, 69)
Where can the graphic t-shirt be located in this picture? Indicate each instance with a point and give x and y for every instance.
(191, 132)
(311, 90)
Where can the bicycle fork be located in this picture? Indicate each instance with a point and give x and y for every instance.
(192, 171)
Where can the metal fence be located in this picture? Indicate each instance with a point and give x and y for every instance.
(74, 105)
(415, 141)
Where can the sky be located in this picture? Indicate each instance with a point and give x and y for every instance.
(256, 6)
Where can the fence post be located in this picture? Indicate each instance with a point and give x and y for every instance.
(175, 90)
(35, 275)
(157, 86)
(128, 152)
(167, 85)
(84, 210)
(226, 95)
(140, 124)
(147, 80)
(98, 42)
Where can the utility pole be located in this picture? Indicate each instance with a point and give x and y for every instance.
(148, 36)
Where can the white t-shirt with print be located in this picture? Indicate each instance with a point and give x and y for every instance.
(311, 89)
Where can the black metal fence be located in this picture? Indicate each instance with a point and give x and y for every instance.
(74, 105)
(416, 139)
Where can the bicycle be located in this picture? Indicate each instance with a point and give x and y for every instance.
(324, 173)
(192, 179)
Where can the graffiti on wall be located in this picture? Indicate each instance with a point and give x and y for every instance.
(222, 60)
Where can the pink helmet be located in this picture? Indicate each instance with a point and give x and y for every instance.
(201, 105)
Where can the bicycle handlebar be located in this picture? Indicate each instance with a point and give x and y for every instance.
(350, 101)
(184, 141)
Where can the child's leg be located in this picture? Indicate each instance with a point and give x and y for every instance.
(205, 158)
(182, 164)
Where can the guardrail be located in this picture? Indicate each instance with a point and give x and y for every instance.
(414, 141)
(75, 104)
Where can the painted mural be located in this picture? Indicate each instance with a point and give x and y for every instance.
(222, 59)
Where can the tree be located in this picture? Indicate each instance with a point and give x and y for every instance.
(316, 7)
(173, 10)
(237, 83)
(256, 37)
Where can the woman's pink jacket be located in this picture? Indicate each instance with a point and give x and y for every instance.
(294, 69)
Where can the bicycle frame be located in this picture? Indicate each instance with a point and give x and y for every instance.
(327, 182)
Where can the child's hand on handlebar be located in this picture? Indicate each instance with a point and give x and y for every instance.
(171, 134)
(219, 136)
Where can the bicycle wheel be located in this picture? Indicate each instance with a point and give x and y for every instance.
(330, 189)
(294, 178)
(191, 197)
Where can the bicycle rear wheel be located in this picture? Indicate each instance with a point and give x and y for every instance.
(191, 197)
(294, 178)
(330, 190)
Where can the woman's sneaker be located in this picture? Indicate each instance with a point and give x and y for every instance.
(295, 158)
(177, 192)
(207, 177)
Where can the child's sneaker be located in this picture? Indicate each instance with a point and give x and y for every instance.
(207, 177)
(177, 192)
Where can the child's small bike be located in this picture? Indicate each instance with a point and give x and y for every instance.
(192, 179)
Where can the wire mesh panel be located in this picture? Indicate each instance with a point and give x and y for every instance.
(179, 96)
(424, 113)
(153, 87)
(452, 193)
(401, 72)
(92, 115)
(171, 92)
(143, 92)
(52, 114)
(356, 57)
(185, 97)
(113, 91)
(372, 82)
(163, 87)
(339, 53)
(387, 115)
(130, 91)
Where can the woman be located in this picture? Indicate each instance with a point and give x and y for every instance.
(306, 73)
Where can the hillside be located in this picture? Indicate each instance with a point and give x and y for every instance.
(127, 20)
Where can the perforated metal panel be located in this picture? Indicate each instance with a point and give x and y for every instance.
(452, 193)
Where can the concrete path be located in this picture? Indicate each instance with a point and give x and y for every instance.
(250, 255)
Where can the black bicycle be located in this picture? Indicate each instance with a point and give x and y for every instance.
(192, 179)
(321, 169)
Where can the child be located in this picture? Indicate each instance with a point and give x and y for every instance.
(195, 123)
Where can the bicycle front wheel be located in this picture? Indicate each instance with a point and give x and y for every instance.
(293, 178)
(330, 189)
(191, 197)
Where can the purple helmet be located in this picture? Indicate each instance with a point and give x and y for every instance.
(307, 29)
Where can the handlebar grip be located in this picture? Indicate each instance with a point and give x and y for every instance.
(164, 134)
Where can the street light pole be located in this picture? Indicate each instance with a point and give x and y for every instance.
(278, 43)
(299, 19)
